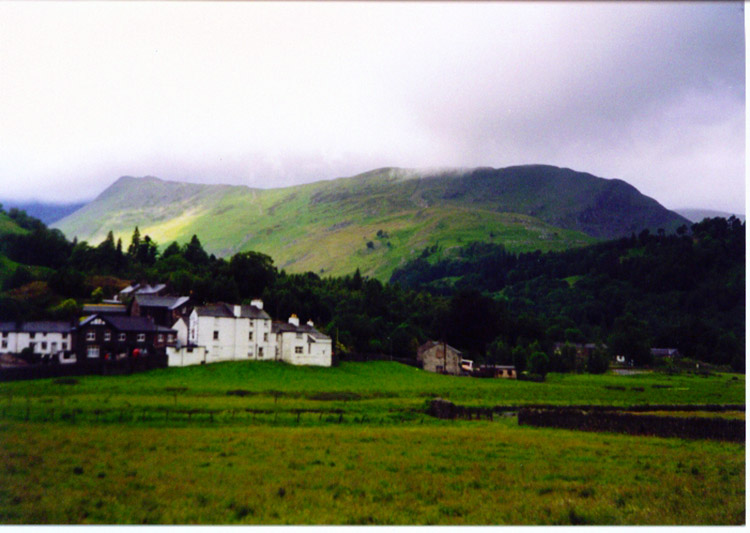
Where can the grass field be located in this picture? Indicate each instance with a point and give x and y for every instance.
(351, 445)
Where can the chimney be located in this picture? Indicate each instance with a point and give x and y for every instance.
(294, 320)
(257, 302)
(310, 323)
(237, 311)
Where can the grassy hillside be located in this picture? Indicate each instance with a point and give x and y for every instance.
(325, 227)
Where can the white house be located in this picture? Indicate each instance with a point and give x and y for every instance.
(44, 338)
(302, 344)
(232, 332)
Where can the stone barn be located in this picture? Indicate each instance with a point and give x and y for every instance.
(440, 357)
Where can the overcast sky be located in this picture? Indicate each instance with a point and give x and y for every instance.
(270, 95)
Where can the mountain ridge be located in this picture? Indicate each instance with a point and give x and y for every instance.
(377, 219)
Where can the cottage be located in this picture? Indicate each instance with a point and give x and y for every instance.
(302, 344)
(45, 339)
(114, 336)
(440, 357)
(232, 332)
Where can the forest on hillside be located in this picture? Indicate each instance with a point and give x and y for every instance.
(685, 290)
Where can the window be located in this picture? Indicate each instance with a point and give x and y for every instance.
(250, 353)
(265, 337)
(90, 335)
(92, 352)
(5, 334)
(64, 346)
(32, 345)
(5, 344)
(170, 338)
(141, 337)
(107, 336)
(299, 335)
(53, 346)
(161, 337)
(121, 337)
(298, 349)
(260, 352)
(216, 335)
(32, 335)
(250, 336)
(44, 346)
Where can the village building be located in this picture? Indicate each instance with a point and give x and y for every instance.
(116, 337)
(163, 310)
(141, 288)
(440, 357)
(302, 344)
(232, 332)
(50, 339)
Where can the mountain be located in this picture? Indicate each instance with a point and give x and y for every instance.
(44, 211)
(376, 220)
(696, 215)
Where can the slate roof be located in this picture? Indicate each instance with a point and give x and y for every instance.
(429, 344)
(143, 289)
(93, 309)
(128, 323)
(36, 327)
(169, 302)
(286, 327)
(227, 311)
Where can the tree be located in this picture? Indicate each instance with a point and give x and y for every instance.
(629, 338)
(598, 361)
(539, 363)
(135, 242)
(195, 253)
(253, 272)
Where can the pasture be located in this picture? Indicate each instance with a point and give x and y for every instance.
(268, 443)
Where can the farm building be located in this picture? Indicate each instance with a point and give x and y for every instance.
(440, 357)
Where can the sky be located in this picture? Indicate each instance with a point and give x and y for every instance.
(276, 94)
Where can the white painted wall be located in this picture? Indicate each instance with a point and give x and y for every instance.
(44, 343)
(186, 356)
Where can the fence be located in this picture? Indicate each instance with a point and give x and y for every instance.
(635, 424)
(84, 368)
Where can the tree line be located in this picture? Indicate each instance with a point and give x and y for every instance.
(684, 291)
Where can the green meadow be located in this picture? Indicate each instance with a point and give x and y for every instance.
(268, 443)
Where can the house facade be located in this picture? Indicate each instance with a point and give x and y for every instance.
(232, 332)
(440, 357)
(117, 337)
(302, 344)
(46, 339)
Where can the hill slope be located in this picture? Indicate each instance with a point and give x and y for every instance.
(378, 219)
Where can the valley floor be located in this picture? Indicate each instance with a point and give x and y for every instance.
(300, 446)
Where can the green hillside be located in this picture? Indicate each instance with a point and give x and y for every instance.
(377, 220)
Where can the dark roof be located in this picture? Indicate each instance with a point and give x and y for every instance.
(286, 327)
(227, 311)
(429, 344)
(128, 323)
(36, 327)
(152, 300)
(104, 308)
